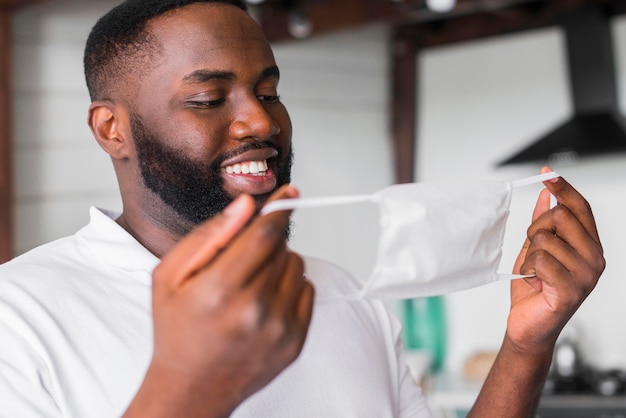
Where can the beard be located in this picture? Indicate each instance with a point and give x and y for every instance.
(193, 189)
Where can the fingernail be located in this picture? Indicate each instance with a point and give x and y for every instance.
(548, 169)
(292, 192)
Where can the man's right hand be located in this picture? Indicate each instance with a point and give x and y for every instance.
(231, 310)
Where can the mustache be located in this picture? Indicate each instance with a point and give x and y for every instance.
(248, 146)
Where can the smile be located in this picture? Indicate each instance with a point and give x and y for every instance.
(248, 167)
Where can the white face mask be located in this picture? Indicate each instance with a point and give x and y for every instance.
(435, 238)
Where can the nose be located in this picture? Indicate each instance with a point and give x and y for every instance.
(253, 121)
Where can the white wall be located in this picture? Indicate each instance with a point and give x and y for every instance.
(480, 102)
(60, 170)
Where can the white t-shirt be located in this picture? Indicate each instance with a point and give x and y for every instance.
(76, 338)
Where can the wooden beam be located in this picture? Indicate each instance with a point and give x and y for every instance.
(326, 16)
(494, 16)
(513, 19)
(12, 5)
(6, 149)
(404, 102)
(333, 15)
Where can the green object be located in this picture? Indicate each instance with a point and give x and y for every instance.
(424, 322)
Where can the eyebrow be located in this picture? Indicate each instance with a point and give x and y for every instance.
(270, 72)
(202, 76)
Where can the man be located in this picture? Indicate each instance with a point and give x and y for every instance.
(187, 304)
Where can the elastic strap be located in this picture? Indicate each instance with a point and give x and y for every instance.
(534, 179)
(286, 204)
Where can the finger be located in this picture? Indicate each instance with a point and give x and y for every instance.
(521, 265)
(541, 206)
(558, 283)
(256, 246)
(521, 257)
(202, 244)
(265, 280)
(291, 284)
(568, 196)
(545, 241)
(304, 305)
(302, 310)
(274, 290)
(560, 223)
(579, 265)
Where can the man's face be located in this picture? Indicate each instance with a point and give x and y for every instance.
(194, 189)
(208, 123)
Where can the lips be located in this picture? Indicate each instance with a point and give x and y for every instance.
(249, 172)
(247, 167)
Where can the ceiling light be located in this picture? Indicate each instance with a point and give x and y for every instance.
(441, 6)
(300, 25)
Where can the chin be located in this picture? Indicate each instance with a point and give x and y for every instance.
(260, 200)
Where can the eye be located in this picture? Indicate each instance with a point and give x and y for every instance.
(269, 98)
(206, 104)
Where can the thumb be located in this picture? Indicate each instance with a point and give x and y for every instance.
(543, 201)
(202, 244)
(541, 206)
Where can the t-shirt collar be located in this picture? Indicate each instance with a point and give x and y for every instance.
(114, 244)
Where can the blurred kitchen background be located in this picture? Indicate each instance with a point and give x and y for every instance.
(457, 91)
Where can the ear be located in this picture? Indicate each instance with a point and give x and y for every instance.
(109, 125)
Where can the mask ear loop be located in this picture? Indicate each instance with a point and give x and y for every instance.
(297, 203)
(536, 179)
(553, 202)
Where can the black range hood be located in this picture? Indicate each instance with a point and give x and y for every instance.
(596, 127)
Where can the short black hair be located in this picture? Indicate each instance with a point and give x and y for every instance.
(119, 43)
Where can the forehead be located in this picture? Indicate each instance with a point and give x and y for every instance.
(213, 34)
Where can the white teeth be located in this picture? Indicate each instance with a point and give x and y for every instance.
(249, 167)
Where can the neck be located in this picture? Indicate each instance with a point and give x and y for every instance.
(157, 229)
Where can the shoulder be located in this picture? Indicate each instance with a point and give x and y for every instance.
(39, 274)
(46, 256)
(330, 280)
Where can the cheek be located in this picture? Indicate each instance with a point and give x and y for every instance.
(201, 138)
(281, 116)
